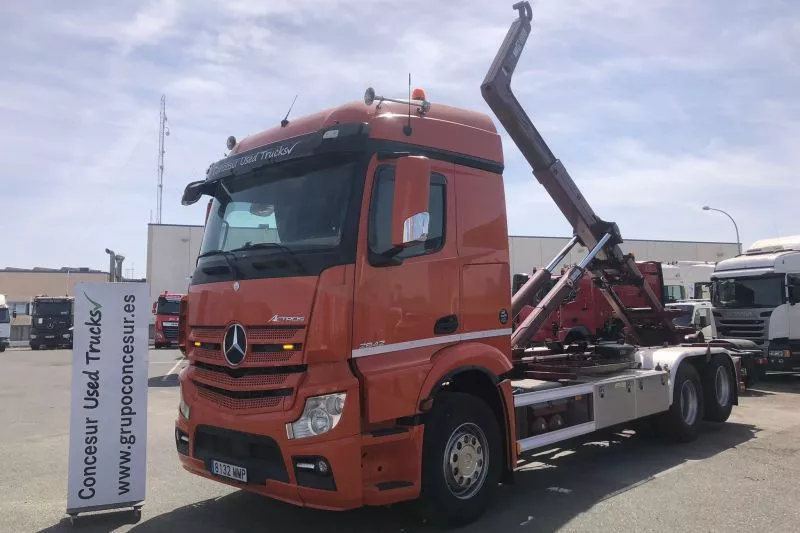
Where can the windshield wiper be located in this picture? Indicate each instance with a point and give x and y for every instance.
(272, 245)
(229, 258)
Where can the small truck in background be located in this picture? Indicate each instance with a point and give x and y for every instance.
(165, 313)
(51, 322)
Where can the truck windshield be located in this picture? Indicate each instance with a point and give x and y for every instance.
(167, 307)
(286, 211)
(52, 308)
(673, 293)
(5, 317)
(682, 320)
(748, 292)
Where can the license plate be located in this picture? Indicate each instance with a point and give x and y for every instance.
(230, 471)
(49, 336)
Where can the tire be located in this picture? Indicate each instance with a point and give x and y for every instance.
(34, 346)
(682, 422)
(719, 386)
(457, 422)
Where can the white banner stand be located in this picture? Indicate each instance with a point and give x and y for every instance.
(108, 411)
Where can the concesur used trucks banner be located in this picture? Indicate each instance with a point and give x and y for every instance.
(108, 423)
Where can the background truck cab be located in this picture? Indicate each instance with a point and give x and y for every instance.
(51, 322)
(165, 310)
(755, 296)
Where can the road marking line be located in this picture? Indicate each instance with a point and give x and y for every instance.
(173, 369)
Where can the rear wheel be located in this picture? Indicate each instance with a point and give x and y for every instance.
(719, 386)
(462, 460)
(682, 422)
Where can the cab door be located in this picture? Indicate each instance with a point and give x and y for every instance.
(406, 304)
(793, 294)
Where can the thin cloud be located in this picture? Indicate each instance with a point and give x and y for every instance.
(655, 107)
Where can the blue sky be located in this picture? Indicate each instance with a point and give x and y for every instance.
(656, 107)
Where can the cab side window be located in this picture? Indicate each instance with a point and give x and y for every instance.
(379, 233)
(793, 283)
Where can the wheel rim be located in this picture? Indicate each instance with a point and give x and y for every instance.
(466, 462)
(722, 386)
(689, 403)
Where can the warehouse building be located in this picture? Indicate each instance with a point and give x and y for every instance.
(172, 251)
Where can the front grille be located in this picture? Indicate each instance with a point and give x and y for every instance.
(255, 335)
(238, 403)
(750, 329)
(170, 330)
(244, 378)
(214, 355)
(267, 374)
(260, 454)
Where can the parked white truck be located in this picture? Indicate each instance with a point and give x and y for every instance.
(5, 323)
(755, 296)
(687, 280)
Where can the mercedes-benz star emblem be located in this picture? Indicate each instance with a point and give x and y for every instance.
(234, 345)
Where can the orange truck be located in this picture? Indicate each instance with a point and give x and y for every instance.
(350, 324)
(165, 316)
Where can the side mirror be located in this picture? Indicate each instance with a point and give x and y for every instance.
(193, 192)
(14, 313)
(410, 215)
(155, 304)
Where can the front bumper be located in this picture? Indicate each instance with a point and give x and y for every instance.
(260, 444)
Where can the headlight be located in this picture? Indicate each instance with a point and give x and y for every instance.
(65, 335)
(33, 335)
(320, 415)
(183, 407)
(775, 353)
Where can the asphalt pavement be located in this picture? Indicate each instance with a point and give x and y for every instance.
(742, 475)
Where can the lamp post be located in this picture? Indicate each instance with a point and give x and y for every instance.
(738, 242)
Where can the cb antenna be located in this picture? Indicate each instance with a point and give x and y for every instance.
(407, 127)
(285, 121)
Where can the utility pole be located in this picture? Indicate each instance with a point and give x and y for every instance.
(163, 131)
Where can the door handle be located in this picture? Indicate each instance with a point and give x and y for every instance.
(446, 324)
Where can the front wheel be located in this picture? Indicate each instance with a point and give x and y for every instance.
(682, 422)
(462, 460)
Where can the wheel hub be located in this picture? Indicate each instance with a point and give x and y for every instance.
(465, 461)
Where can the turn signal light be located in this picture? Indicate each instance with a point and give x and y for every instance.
(288, 347)
(198, 344)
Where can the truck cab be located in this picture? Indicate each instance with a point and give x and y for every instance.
(755, 296)
(165, 319)
(695, 314)
(5, 324)
(51, 322)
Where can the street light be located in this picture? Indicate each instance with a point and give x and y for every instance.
(738, 242)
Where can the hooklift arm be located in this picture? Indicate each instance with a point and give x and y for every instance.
(605, 260)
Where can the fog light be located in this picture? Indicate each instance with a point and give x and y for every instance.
(322, 466)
